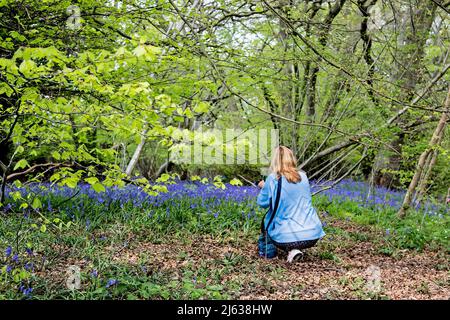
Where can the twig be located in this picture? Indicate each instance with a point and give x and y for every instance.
(248, 181)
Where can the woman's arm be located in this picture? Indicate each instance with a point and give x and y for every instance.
(263, 199)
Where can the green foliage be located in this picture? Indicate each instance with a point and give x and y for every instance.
(416, 231)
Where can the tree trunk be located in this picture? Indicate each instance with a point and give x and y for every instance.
(364, 7)
(438, 132)
(137, 152)
(323, 39)
(431, 161)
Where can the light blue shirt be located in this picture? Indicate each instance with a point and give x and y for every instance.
(296, 219)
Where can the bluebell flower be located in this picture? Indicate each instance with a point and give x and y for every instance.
(111, 282)
(8, 269)
(8, 251)
(94, 273)
(27, 291)
(28, 266)
(29, 251)
(15, 258)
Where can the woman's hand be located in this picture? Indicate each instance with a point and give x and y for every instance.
(261, 184)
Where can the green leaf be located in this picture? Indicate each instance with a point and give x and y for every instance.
(188, 113)
(27, 66)
(71, 182)
(36, 203)
(91, 180)
(139, 51)
(21, 164)
(163, 178)
(56, 155)
(201, 107)
(43, 228)
(98, 187)
(236, 182)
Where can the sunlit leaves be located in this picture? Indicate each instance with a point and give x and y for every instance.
(148, 52)
(26, 67)
(163, 178)
(95, 183)
(218, 182)
(22, 163)
(36, 203)
(201, 107)
(235, 182)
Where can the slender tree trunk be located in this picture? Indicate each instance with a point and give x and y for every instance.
(423, 157)
(3, 186)
(323, 39)
(364, 7)
(137, 152)
(431, 161)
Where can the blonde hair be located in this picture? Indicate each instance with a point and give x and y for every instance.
(284, 164)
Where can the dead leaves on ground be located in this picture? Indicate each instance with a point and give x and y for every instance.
(342, 274)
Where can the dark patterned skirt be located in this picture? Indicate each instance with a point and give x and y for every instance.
(300, 245)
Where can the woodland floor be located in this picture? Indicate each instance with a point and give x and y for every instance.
(337, 268)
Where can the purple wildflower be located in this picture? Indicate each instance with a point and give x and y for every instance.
(111, 282)
(26, 291)
(28, 266)
(8, 251)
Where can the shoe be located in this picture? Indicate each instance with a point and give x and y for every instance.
(294, 255)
